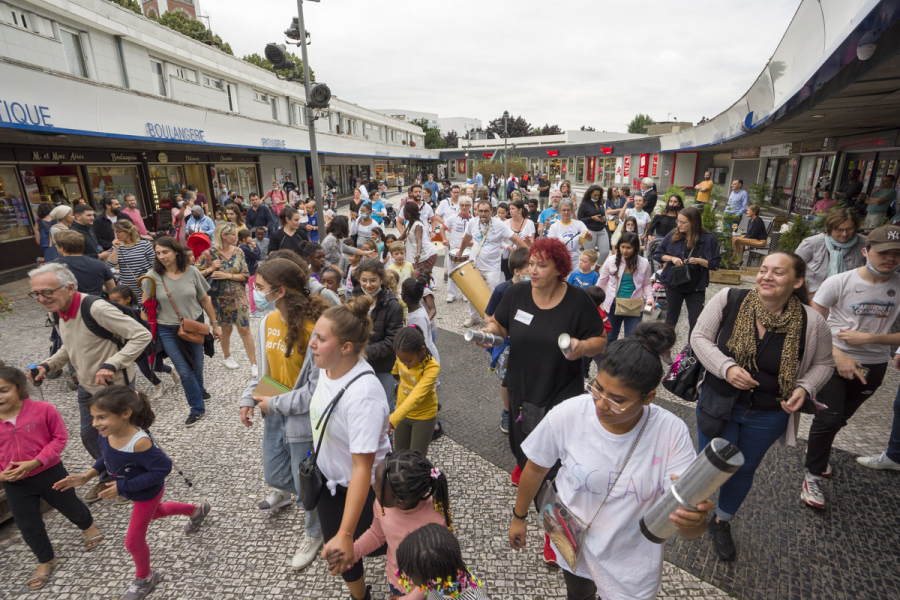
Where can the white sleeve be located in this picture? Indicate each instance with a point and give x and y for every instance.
(365, 417)
(829, 293)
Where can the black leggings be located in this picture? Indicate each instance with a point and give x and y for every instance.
(331, 513)
(579, 588)
(159, 367)
(694, 301)
(24, 497)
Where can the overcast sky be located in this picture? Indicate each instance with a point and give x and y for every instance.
(565, 62)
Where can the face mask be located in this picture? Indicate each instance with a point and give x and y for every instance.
(261, 300)
(525, 277)
(373, 294)
(875, 271)
(181, 203)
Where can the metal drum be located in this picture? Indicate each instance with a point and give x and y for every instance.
(472, 285)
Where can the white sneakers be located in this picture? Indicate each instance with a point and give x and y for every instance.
(231, 363)
(307, 552)
(275, 500)
(254, 370)
(450, 299)
(176, 378)
(470, 322)
(879, 461)
(158, 390)
(811, 493)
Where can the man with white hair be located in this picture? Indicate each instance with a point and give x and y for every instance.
(455, 228)
(557, 183)
(649, 193)
(99, 340)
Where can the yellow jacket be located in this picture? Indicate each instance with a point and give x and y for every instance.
(416, 396)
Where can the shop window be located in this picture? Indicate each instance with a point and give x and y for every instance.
(115, 182)
(159, 76)
(165, 182)
(71, 42)
(579, 169)
(14, 221)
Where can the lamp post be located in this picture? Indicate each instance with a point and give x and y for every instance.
(311, 120)
(505, 138)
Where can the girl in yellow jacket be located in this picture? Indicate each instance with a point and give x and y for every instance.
(417, 371)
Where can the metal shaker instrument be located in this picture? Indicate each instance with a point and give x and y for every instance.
(480, 337)
(709, 471)
(565, 343)
(33, 370)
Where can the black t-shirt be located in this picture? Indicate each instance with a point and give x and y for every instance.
(537, 369)
(588, 209)
(544, 193)
(496, 296)
(661, 225)
(90, 273)
(282, 241)
(90, 239)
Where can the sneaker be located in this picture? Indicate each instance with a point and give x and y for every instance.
(504, 421)
(176, 378)
(438, 431)
(516, 474)
(206, 395)
(549, 555)
(231, 363)
(879, 461)
(723, 543)
(828, 472)
(158, 390)
(192, 418)
(123, 501)
(470, 322)
(196, 518)
(307, 552)
(450, 300)
(811, 493)
(140, 588)
(254, 371)
(276, 499)
(92, 495)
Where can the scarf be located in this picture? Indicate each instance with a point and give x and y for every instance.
(742, 343)
(837, 252)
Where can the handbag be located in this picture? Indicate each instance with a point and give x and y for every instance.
(212, 282)
(628, 307)
(188, 329)
(684, 375)
(312, 480)
(568, 531)
(685, 277)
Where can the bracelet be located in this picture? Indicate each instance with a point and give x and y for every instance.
(518, 516)
(213, 322)
(346, 533)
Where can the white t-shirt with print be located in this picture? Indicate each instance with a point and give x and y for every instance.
(359, 424)
(488, 258)
(643, 219)
(857, 305)
(618, 558)
(569, 235)
(456, 228)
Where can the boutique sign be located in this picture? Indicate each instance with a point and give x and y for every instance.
(20, 113)
(172, 132)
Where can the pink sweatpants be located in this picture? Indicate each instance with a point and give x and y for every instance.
(250, 288)
(141, 515)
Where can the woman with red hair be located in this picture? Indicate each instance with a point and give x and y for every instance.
(533, 315)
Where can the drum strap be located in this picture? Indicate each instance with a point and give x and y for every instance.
(484, 236)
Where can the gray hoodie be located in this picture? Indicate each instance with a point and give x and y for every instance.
(294, 404)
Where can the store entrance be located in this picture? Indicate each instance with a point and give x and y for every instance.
(197, 175)
(62, 181)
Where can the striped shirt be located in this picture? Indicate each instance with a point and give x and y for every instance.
(134, 262)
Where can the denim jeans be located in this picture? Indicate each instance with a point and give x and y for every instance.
(281, 465)
(616, 322)
(388, 382)
(753, 432)
(160, 367)
(191, 379)
(893, 451)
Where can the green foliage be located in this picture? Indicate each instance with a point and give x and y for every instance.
(516, 126)
(760, 194)
(672, 190)
(260, 61)
(639, 123)
(131, 5)
(433, 139)
(193, 28)
(451, 140)
(516, 164)
(799, 231)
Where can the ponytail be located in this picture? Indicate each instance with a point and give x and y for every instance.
(412, 478)
(116, 399)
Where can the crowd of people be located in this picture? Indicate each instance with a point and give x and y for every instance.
(345, 367)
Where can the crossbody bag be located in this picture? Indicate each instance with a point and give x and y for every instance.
(188, 329)
(628, 307)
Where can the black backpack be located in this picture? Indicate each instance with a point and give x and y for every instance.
(94, 327)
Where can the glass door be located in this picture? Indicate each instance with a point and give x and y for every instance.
(165, 182)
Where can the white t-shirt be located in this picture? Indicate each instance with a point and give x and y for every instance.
(447, 209)
(419, 318)
(569, 235)
(527, 229)
(425, 215)
(618, 558)
(359, 424)
(643, 219)
(858, 305)
(363, 192)
(488, 258)
(456, 228)
(428, 249)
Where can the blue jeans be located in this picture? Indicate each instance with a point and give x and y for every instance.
(616, 322)
(281, 465)
(191, 379)
(893, 451)
(753, 432)
(388, 382)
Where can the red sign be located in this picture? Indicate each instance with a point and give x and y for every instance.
(552, 152)
(627, 168)
(461, 165)
(606, 150)
(644, 165)
(655, 165)
(487, 154)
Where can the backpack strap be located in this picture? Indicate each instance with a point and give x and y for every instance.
(93, 326)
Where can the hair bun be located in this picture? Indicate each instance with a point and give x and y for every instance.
(655, 336)
(359, 305)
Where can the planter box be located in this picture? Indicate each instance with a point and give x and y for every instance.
(726, 277)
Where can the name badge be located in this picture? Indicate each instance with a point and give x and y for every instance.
(524, 317)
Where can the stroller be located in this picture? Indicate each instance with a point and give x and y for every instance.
(390, 219)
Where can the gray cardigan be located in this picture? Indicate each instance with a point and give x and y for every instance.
(294, 404)
(813, 251)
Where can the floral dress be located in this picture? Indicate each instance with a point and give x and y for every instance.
(230, 303)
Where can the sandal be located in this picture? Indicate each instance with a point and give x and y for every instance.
(39, 578)
(92, 542)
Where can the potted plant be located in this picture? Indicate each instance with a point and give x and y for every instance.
(800, 230)
(726, 273)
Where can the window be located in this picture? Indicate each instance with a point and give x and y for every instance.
(232, 97)
(260, 96)
(274, 102)
(20, 19)
(185, 73)
(74, 54)
(159, 74)
(211, 82)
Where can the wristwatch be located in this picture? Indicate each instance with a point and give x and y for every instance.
(520, 517)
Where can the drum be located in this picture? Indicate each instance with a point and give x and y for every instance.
(458, 260)
(470, 281)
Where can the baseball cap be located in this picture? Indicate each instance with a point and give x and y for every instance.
(884, 238)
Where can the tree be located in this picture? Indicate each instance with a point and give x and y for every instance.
(587, 128)
(639, 123)
(517, 127)
(515, 164)
(433, 139)
(451, 140)
(131, 5)
(551, 130)
(260, 61)
(184, 24)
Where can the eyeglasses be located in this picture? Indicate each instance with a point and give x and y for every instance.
(45, 294)
(616, 407)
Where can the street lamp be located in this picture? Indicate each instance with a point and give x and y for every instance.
(505, 138)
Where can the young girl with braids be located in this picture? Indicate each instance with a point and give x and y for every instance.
(417, 371)
(139, 469)
(410, 493)
(430, 561)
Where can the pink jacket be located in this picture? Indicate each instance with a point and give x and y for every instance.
(393, 528)
(39, 433)
(609, 280)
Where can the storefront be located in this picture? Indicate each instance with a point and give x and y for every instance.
(874, 155)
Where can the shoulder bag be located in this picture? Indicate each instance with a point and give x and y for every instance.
(210, 280)
(685, 277)
(188, 330)
(628, 307)
(568, 531)
(312, 480)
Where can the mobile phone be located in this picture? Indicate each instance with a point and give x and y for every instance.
(864, 372)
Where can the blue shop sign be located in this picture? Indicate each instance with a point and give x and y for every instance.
(24, 114)
(169, 132)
